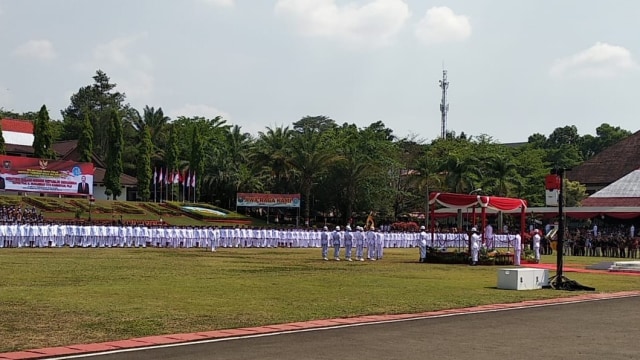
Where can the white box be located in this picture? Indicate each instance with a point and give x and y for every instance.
(522, 278)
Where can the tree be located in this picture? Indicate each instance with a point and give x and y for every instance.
(310, 159)
(42, 138)
(574, 193)
(172, 160)
(85, 142)
(144, 165)
(196, 163)
(156, 123)
(98, 100)
(114, 156)
(314, 123)
(271, 151)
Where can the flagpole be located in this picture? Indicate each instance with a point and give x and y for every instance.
(155, 178)
(160, 180)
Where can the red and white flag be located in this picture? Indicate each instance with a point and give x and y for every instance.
(193, 180)
(160, 176)
(176, 177)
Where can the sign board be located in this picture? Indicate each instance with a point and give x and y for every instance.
(551, 197)
(25, 174)
(268, 200)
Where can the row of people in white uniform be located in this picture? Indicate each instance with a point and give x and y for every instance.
(57, 235)
(372, 239)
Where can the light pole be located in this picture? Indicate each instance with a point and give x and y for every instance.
(475, 191)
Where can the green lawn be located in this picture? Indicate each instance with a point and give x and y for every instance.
(52, 297)
(71, 209)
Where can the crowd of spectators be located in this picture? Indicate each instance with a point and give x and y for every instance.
(19, 215)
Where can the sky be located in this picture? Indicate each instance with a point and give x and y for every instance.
(515, 68)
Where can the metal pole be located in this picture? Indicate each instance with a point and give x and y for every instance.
(560, 246)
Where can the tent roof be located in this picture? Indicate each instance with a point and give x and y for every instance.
(463, 201)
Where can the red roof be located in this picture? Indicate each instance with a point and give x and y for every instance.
(16, 125)
(611, 201)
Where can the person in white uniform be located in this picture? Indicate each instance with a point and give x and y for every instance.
(536, 244)
(324, 243)
(518, 249)
(336, 238)
(348, 242)
(475, 245)
(422, 244)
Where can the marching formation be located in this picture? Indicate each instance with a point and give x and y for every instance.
(358, 244)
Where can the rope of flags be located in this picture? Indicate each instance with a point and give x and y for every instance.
(166, 178)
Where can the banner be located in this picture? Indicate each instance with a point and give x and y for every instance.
(19, 173)
(268, 200)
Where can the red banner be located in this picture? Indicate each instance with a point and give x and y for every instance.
(268, 200)
(45, 176)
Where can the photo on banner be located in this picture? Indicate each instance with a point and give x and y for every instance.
(63, 177)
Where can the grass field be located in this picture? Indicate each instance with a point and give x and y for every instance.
(52, 297)
(75, 209)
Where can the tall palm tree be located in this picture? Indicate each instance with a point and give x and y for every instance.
(156, 122)
(461, 174)
(272, 151)
(310, 158)
(502, 172)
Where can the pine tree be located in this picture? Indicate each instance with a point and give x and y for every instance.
(42, 137)
(145, 148)
(197, 156)
(85, 142)
(114, 156)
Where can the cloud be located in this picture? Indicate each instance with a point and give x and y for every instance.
(36, 49)
(220, 3)
(441, 24)
(191, 110)
(132, 71)
(373, 24)
(602, 60)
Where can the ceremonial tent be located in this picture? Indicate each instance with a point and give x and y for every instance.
(484, 202)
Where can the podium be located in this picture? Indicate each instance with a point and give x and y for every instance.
(522, 278)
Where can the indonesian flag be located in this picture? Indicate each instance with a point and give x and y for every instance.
(155, 175)
(160, 176)
(188, 182)
(193, 180)
(176, 177)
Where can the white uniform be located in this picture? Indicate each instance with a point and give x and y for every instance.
(475, 247)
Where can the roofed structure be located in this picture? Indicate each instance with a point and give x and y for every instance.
(623, 192)
(609, 165)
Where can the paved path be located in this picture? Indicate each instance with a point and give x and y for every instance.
(591, 326)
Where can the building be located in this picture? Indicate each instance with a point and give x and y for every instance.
(609, 165)
(18, 138)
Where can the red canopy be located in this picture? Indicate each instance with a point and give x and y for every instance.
(463, 201)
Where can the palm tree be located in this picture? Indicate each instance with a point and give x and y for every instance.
(502, 172)
(461, 174)
(156, 122)
(272, 151)
(310, 158)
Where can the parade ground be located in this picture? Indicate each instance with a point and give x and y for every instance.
(585, 327)
(67, 303)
